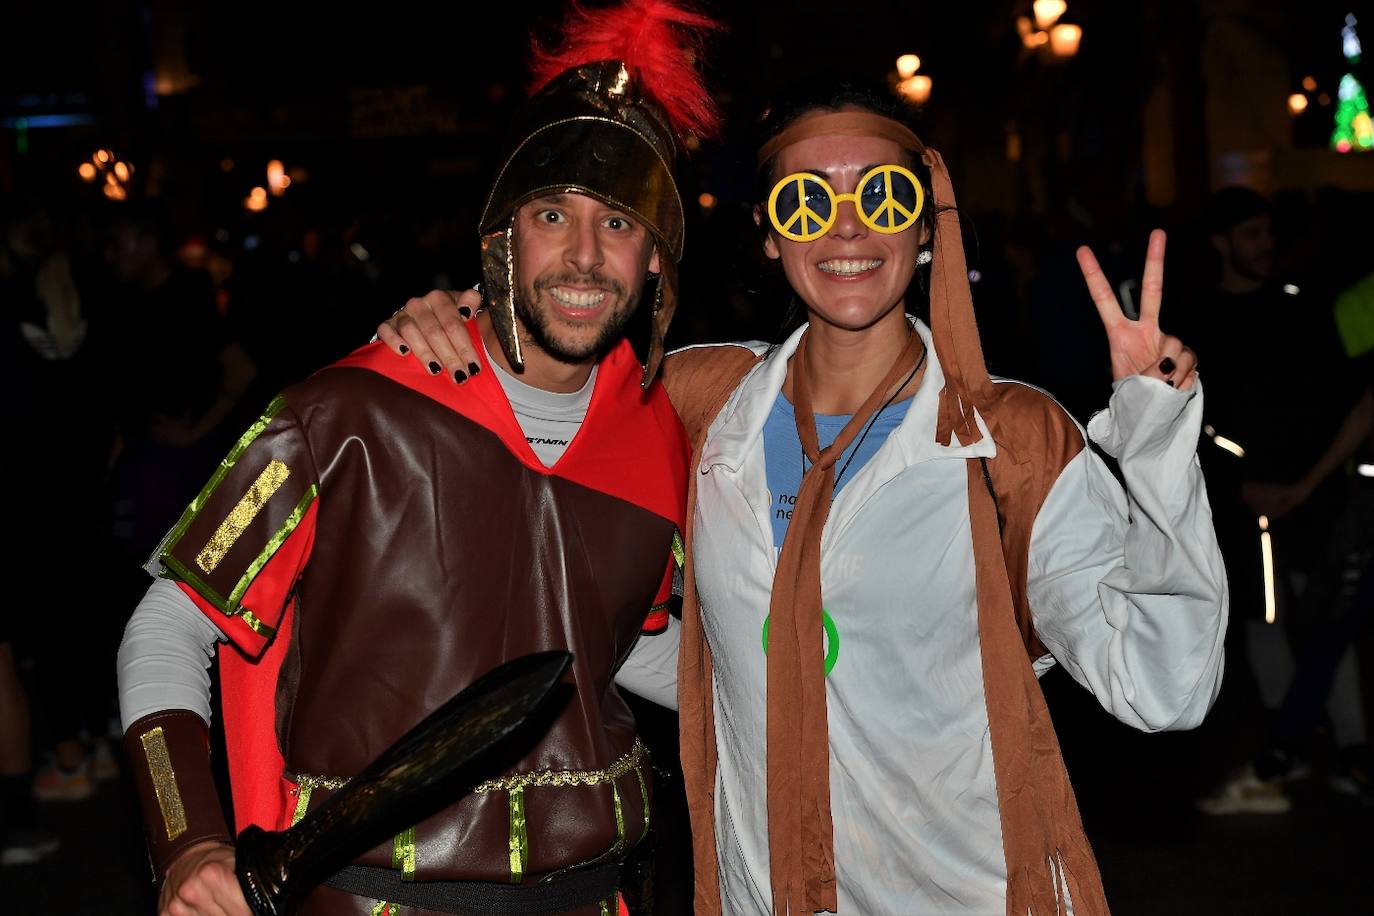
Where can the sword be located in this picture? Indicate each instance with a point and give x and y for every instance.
(406, 783)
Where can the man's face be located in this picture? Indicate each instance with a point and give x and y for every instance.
(1249, 248)
(579, 270)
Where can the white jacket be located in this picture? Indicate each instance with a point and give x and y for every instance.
(1127, 591)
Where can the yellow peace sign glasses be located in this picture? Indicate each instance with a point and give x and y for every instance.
(803, 206)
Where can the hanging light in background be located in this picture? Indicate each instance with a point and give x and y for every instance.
(1064, 39)
(915, 89)
(108, 169)
(907, 65)
(1047, 12)
(277, 179)
(256, 201)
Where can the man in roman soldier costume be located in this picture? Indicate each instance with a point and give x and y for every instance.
(381, 537)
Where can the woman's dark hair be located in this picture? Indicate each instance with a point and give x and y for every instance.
(826, 95)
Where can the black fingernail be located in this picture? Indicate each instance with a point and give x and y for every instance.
(1169, 382)
(434, 367)
(403, 349)
(473, 368)
(1166, 365)
(464, 311)
(460, 376)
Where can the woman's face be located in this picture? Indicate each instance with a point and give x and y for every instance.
(852, 276)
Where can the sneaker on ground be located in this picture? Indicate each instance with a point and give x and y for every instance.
(52, 783)
(1354, 774)
(24, 847)
(1245, 793)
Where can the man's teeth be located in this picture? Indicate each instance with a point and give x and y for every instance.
(849, 266)
(575, 299)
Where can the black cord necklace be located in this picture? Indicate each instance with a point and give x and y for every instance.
(886, 404)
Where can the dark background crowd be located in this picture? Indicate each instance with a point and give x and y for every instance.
(200, 204)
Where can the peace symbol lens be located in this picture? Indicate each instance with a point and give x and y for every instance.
(803, 206)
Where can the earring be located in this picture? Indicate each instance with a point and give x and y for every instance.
(925, 257)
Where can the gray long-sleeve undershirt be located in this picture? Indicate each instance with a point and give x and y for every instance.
(168, 645)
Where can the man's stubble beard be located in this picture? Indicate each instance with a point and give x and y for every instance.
(537, 327)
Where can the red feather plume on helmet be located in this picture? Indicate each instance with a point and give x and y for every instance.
(657, 40)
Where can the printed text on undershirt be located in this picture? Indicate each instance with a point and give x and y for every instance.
(549, 419)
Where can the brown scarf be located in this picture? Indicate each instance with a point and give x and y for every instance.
(801, 847)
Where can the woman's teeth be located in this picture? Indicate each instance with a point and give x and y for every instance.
(845, 267)
(576, 299)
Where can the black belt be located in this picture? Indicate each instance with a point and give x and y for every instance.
(579, 889)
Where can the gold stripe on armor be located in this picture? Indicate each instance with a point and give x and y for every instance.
(679, 549)
(164, 781)
(242, 515)
(644, 794)
(306, 784)
(225, 466)
(403, 854)
(519, 836)
(569, 777)
(254, 624)
(270, 550)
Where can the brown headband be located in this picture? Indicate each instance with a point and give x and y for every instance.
(844, 124)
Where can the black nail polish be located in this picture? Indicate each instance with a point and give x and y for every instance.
(473, 368)
(403, 349)
(465, 312)
(434, 367)
(1166, 365)
(460, 376)
(1169, 382)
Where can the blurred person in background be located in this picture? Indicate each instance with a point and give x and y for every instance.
(1257, 333)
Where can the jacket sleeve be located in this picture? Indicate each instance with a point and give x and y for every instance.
(1127, 588)
(650, 671)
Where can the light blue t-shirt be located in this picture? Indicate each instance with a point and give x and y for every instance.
(783, 457)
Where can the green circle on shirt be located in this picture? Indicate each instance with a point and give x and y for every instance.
(832, 638)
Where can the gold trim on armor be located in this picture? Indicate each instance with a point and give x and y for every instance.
(307, 784)
(403, 854)
(519, 836)
(268, 551)
(568, 777)
(164, 781)
(679, 550)
(242, 515)
(225, 466)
